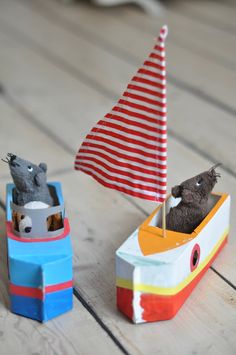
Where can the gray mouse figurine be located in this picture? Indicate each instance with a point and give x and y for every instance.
(30, 181)
(193, 207)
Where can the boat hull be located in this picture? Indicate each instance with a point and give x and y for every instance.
(40, 270)
(154, 287)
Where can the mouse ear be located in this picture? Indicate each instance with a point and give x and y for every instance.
(43, 166)
(40, 179)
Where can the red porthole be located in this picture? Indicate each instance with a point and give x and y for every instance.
(195, 257)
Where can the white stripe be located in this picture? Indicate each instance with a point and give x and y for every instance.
(160, 53)
(139, 120)
(127, 187)
(149, 77)
(161, 62)
(146, 104)
(161, 43)
(156, 61)
(124, 151)
(129, 144)
(154, 70)
(127, 178)
(116, 166)
(134, 128)
(143, 112)
(127, 161)
(148, 87)
(146, 95)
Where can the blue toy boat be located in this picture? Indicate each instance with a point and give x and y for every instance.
(39, 262)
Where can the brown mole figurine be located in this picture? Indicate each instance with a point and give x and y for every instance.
(193, 207)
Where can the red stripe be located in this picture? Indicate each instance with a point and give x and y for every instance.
(151, 73)
(123, 189)
(120, 180)
(124, 156)
(148, 63)
(59, 287)
(135, 123)
(82, 158)
(150, 92)
(120, 163)
(159, 48)
(148, 82)
(11, 235)
(157, 56)
(139, 115)
(144, 98)
(142, 108)
(26, 291)
(136, 142)
(131, 131)
(38, 293)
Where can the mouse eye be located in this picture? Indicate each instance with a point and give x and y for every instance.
(199, 181)
(30, 169)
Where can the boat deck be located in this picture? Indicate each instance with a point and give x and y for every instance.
(62, 68)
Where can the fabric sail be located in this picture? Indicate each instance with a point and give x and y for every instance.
(127, 149)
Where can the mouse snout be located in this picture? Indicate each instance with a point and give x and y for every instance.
(9, 158)
(12, 159)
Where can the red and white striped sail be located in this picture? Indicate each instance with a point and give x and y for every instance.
(127, 149)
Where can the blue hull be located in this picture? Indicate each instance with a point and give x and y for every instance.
(40, 270)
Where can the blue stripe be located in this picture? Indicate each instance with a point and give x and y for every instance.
(54, 304)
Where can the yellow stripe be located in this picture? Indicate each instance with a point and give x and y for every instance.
(171, 290)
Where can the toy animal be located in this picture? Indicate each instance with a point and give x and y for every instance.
(31, 191)
(30, 181)
(23, 223)
(193, 207)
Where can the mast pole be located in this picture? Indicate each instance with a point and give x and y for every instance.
(164, 219)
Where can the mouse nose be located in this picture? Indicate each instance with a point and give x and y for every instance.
(11, 156)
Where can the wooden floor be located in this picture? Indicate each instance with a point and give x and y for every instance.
(61, 69)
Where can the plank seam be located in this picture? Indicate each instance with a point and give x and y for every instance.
(94, 314)
(2, 205)
(223, 278)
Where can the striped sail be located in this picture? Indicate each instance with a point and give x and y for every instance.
(127, 149)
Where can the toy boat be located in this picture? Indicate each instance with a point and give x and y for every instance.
(39, 262)
(155, 275)
(156, 268)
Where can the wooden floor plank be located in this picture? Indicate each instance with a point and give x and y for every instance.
(186, 32)
(183, 43)
(19, 136)
(217, 13)
(75, 332)
(196, 113)
(74, 115)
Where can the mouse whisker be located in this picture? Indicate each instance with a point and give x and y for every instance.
(214, 167)
(5, 161)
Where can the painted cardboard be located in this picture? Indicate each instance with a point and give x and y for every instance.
(155, 275)
(40, 266)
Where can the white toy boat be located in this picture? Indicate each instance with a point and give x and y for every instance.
(127, 151)
(155, 275)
